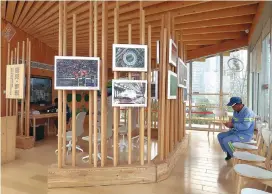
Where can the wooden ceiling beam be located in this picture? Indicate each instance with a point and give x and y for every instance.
(216, 29)
(36, 7)
(256, 20)
(11, 10)
(222, 13)
(18, 11)
(221, 47)
(201, 42)
(27, 7)
(44, 9)
(213, 36)
(211, 6)
(217, 22)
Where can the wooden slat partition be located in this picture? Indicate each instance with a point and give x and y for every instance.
(104, 80)
(115, 110)
(14, 100)
(60, 120)
(149, 108)
(95, 92)
(74, 101)
(129, 109)
(64, 47)
(90, 92)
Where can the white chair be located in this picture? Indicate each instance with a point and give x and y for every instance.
(217, 113)
(253, 191)
(85, 159)
(79, 131)
(252, 172)
(244, 146)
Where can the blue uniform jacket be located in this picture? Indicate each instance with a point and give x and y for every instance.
(243, 123)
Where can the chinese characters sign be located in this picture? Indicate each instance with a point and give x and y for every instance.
(15, 81)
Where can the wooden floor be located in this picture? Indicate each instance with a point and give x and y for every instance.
(201, 170)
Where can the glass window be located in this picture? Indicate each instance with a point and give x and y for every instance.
(206, 75)
(235, 75)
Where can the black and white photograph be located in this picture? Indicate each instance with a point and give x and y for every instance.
(154, 84)
(129, 57)
(77, 73)
(173, 52)
(129, 93)
(182, 74)
(158, 52)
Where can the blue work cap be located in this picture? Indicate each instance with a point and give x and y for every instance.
(234, 100)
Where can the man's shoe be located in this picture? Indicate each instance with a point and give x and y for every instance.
(228, 157)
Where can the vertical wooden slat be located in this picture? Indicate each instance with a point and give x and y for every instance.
(176, 103)
(11, 100)
(149, 108)
(74, 101)
(16, 101)
(28, 91)
(184, 104)
(64, 91)
(181, 107)
(103, 86)
(142, 110)
(22, 101)
(8, 63)
(115, 111)
(90, 92)
(95, 92)
(60, 134)
(161, 94)
(129, 109)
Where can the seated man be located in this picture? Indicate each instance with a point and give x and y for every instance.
(242, 127)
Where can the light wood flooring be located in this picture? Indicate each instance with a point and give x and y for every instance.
(201, 170)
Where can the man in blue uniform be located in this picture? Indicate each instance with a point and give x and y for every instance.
(241, 127)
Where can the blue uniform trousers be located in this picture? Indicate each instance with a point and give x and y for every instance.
(227, 138)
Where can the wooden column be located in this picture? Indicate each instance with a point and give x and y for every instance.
(104, 74)
(60, 134)
(74, 100)
(95, 92)
(22, 101)
(90, 92)
(11, 100)
(149, 108)
(64, 91)
(129, 108)
(8, 63)
(16, 101)
(115, 110)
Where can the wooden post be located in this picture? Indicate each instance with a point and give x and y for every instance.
(74, 100)
(181, 107)
(90, 92)
(16, 101)
(60, 134)
(103, 86)
(161, 94)
(8, 63)
(11, 100)
(142, 110)
(129, 109)
(95, 92)
(64, 91)
(149, 108)
(184, 104)
(22, 101)
(115, 111)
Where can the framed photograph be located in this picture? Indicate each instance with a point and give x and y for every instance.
(77, 73)
(173, 52)
(129, 57)
(154, 84)
(15, 81)
(129, 93)
(158, 52)
(172, 85)
(182, 74)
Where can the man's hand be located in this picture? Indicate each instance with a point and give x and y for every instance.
(229, 124)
